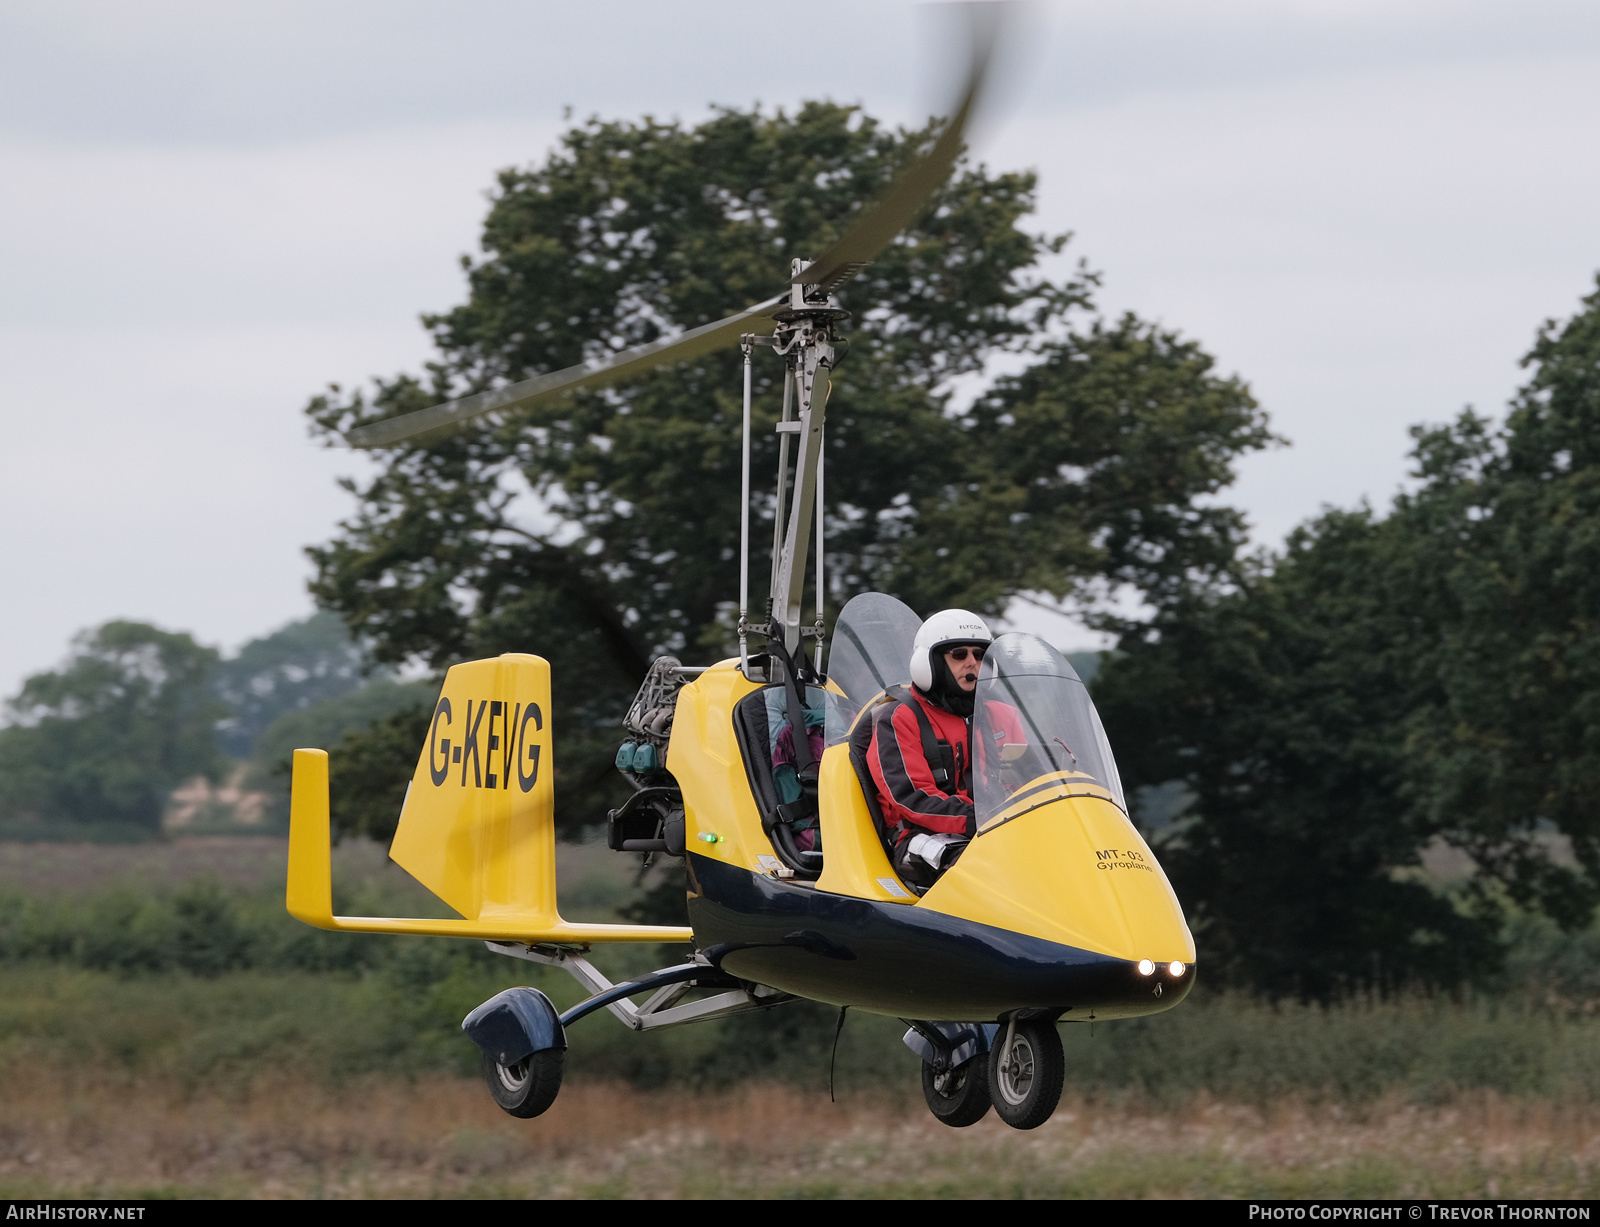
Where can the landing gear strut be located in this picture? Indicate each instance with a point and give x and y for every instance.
(1026, 1071)
(523, 1020)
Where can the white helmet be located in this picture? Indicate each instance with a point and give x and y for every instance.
(947, 628)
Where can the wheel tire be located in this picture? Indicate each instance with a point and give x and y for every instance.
(529, 1087)
(1026, 1076)
(958, 1097)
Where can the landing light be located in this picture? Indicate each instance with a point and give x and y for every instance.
(1176, 969)
(1146, 967)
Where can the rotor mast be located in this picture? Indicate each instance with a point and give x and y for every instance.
(804, 338)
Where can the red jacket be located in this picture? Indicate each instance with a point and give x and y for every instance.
(914, 794)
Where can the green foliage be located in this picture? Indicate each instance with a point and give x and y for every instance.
(199, 929)
(1094, 462)
(97, 747)
(116, 972)
(1279, 708)
(1557, 969)
(372, 734)
(603, 530)
(1428, 1048)
(292, 669)
(106, 738)
(1384, 683)
(201, 985)
(325, 723)
(664, 903)
(1085, 664)
(1506, 535)
(370, 769)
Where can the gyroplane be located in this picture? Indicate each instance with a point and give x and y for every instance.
(1057, 911)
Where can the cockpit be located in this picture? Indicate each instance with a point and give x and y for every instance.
(1036, 736)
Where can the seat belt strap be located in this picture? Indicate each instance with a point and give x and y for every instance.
(942, 775)
(796, 706)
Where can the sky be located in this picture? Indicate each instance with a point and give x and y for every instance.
(210, 212)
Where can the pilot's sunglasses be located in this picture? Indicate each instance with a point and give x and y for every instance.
(960, 654)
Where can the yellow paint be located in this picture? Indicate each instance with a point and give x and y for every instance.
(310, 890)
(853, 858)
(474, 832)
(479, 831)
(1067, 784)
(703, 756)
(1073, 871)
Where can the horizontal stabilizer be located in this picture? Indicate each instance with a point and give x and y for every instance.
(478, 825)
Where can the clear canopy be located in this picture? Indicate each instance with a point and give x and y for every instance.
(1035, 732)
(870, 652)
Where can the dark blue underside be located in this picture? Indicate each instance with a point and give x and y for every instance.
(904, 961)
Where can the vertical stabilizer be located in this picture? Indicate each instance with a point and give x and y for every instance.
(478, 825)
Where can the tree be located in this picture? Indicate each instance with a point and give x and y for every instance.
(373, 735)
(105, 739)
(294, 668)
(1507, 530)
(370, 769)
(1282, 706)
(603, 531)
(1433, 674)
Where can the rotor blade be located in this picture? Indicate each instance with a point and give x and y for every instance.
(880, 222)
(594, 374)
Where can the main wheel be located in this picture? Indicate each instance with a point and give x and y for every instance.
(528, 1087)
(959, 1097)
(1026, 1074)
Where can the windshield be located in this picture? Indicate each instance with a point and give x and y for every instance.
(870, 651)
(1035, 732)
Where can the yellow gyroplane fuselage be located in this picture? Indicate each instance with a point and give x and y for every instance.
(1058, 906)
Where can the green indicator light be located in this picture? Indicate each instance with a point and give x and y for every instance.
(710, 838)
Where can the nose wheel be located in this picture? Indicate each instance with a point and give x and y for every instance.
(957, 1095)
(1026, 1072)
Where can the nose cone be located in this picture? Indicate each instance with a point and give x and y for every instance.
(1073, 871)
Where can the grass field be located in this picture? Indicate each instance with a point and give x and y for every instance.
(165, 1030)
(82, 1135)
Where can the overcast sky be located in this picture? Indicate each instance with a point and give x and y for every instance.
(208, 212)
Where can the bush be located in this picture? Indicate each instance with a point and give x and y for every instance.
(197, 982)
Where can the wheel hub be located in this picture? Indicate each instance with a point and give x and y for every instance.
(513, 1077)
(949, 1082)
(1016, 1071)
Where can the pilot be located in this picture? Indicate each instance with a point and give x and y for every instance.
(921, 753)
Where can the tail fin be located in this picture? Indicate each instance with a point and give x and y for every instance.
(478, 824)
